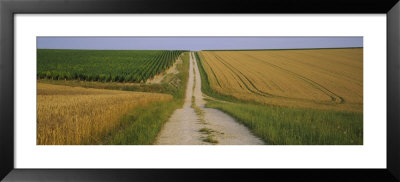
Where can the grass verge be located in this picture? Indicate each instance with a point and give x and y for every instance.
(296, 126)
(142, 124)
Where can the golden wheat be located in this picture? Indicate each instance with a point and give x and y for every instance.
(74, 115)
(316, 78)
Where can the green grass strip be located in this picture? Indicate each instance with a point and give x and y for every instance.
(296, 126)
(142, 124)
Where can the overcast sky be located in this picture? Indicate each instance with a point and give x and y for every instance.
(195, 43)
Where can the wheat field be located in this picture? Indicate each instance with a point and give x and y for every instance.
(316, 78)
(75, 115)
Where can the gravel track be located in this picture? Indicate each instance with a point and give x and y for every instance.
(184, 124)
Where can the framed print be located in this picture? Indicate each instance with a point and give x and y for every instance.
(199, 90)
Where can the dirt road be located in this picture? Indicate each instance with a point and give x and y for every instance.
(196, 125)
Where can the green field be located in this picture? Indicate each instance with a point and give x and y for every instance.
(103, 65)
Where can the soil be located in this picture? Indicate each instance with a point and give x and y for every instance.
(172, 70)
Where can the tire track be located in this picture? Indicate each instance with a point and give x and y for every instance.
(334, 98)
(212, 71)
(329, 72)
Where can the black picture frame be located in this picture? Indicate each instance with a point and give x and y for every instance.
(9, 8)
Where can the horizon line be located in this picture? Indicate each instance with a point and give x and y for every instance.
(205, 49)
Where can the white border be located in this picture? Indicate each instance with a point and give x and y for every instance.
(371, 155)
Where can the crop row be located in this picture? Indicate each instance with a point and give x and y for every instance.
(103, 65)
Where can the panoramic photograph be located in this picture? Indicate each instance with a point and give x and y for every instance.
(199, 90)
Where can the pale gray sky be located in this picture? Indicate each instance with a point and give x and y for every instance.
(195, 43)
